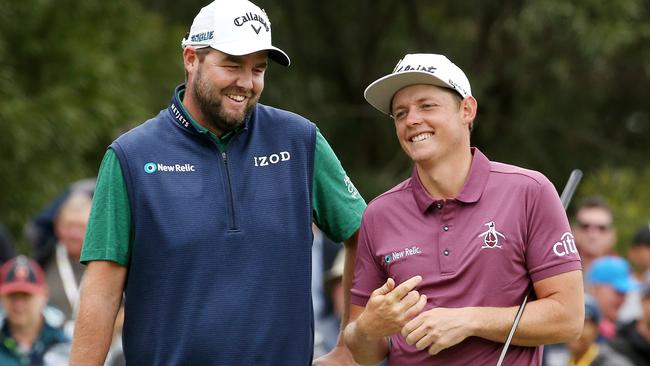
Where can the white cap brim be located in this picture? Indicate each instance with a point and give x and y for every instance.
(243, 48)
(239, 48)
(380, 93)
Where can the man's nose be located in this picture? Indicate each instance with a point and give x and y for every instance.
(245, 79)
(413, 117)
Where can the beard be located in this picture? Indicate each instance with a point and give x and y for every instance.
(208, 98)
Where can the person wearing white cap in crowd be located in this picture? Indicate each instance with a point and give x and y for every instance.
(202, 216)
(445, 258)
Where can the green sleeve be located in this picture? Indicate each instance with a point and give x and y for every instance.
(109, 227)
(337, 203)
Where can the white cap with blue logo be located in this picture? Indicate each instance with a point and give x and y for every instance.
(235, 27)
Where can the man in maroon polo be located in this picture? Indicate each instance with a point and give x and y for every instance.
(445, 257)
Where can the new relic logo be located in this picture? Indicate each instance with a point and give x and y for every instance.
(406, 252)
(152, 167)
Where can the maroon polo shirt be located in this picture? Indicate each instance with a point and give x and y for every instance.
(506, 227)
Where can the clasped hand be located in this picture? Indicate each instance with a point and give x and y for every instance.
(399, 309)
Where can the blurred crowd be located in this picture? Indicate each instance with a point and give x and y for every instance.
(617, 293)
(39, 294)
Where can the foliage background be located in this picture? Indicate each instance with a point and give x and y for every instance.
(560, 84)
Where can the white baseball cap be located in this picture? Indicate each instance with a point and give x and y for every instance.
(417, 68)
(235, 27)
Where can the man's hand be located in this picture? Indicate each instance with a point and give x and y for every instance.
(339, 356)
(390, 308)
(438, 328)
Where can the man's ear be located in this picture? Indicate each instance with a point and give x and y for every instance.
(190, 59)
(469, 107)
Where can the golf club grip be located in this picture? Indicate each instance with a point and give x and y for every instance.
(565, 197)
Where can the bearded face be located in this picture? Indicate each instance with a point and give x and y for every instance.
(209, 99)
(226, 88)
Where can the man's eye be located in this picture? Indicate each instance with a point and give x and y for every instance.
(399, 115)
(426, 106)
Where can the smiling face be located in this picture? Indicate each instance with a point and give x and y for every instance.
(432, 123)
(222, 88)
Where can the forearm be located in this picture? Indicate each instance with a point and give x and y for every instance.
(93, 332)
(543, 322)
(557, 316)
(365, 349)
(100, 300)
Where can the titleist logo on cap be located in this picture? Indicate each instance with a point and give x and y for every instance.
(400, 68)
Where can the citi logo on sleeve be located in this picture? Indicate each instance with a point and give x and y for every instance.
(152, 167)
(565, 246)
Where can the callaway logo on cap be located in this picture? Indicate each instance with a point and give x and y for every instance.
(235, 27)
(418, 68)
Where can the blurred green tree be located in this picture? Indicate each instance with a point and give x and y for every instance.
(72, 75)
(560, 84)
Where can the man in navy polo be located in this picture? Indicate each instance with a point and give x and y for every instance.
(445, 257)
(202, 216)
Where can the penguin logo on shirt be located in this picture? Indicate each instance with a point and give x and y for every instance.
(491, 236)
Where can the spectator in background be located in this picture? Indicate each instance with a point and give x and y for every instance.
(327, 334)
(7, 245)
(63, 270)
(586, 351)
(40, 231)
(639, 256)
(26, 338)
(593, 229)
(640, 253)
(333, 285)
(608, 281)
(324, 251)
(633, 339)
